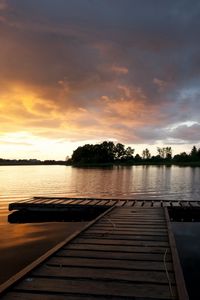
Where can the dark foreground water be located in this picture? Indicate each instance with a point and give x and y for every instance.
(187, 235)
(21, 243)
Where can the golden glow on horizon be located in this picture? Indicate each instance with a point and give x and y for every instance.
(33, 127)
(17, 98)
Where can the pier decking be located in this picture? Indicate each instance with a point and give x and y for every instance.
(128, 252)
(64, 203)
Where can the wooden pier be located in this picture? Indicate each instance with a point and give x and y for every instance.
(126, 253)
(64, 203)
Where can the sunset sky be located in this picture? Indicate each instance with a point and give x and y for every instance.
(83, 71)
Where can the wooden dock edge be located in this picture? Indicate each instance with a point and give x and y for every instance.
(180, 281)
(18, 276)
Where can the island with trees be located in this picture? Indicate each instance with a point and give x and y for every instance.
(109, 153)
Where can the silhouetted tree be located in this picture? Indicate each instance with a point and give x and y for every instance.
(129, 153)
(182, 157)
(165, 152)
(194, 153)
(138, 158)
(108, 152)
(119, 151)
(168, 153)
(146, 154)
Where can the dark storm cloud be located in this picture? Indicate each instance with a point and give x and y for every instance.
(73, 53)
(187, 133)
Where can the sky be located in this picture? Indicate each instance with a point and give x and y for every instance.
(83, 71)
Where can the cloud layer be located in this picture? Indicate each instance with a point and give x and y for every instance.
(90, 70)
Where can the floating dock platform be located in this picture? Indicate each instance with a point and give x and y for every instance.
(127, 253)
(47, 203)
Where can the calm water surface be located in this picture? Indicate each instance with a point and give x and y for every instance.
(137, 182)
(21, 243)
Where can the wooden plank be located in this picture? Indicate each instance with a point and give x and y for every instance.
(128, 236)
(24, 200)
(166, 203)
(113, 255)
(77, 201)
(134, 232)
(135, 212)
(60, 201)
(142, 217)
(141, 212)
(48, 201)
(93, 202)
(109, 263)
(138, 249)
(133, 216)
(175, 203)
(131, 233)
(125, 243)
(124, 237)
(129, 203)
(98, 202)
(137, 220)
(85, 202)
(144, 210)
(156, 204)
(111, 202)
(147, 204)
(103, 202)
(114, 274)
(135, 226)
(128, 226)
(92, 287)
(34, 206)
(184, 203)
(138, 216)
(120, 203)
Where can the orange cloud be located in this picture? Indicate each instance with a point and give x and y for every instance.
(117, 117)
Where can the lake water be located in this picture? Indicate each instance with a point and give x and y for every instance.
(136, 182)
(22, 243)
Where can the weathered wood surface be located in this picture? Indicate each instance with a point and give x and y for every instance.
(112, 259)
(56, 203)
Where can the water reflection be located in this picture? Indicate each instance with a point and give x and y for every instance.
(23, 243)
(136, 182)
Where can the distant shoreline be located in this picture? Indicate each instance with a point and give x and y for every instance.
(82, 165)
(21, 162)
(126, 164)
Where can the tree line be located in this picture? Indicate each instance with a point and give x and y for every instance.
(11, 162)
(109, 152)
